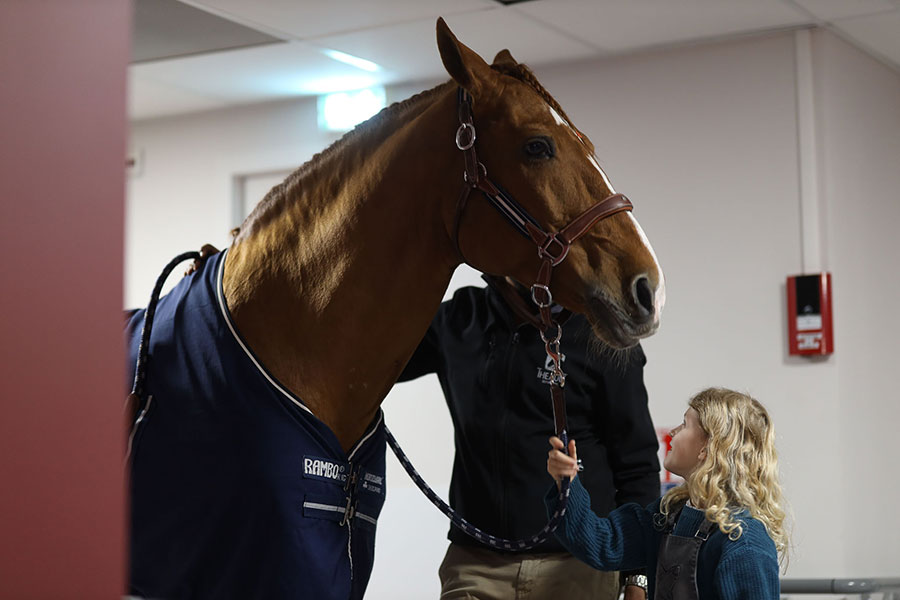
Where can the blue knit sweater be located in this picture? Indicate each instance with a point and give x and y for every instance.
(741, 569)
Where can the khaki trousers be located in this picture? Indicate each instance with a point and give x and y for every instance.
(470, 573)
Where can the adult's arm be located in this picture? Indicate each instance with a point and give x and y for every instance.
(618, 542)
(424, 360)
(427, 357)
(632, 444)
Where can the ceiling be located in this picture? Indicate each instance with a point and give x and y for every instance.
(195, 55)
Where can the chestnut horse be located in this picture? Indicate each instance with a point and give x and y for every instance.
(327, 289)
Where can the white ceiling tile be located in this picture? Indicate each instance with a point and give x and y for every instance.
(257, 74)
(620, 26)
(168, 28)
(304, 19)
(880, 34)
(148, 99)
(528, 40)
(411, 48)
(828, 10)
(399, 35)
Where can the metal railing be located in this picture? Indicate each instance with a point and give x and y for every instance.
(887, 587)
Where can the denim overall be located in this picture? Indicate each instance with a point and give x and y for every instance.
(676, 566)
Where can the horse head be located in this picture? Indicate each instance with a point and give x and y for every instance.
(546, 171)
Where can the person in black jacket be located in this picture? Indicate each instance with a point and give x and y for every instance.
(487, 352)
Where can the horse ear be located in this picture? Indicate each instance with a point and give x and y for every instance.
(465, 66)
(505, 58)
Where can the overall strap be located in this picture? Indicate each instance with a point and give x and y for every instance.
(704, 530)
(672, 517)
(678, 558)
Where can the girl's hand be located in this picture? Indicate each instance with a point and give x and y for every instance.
(558, 464)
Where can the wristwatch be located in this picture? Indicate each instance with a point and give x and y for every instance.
(638, 580)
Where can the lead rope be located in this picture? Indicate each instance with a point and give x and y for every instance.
(459, 522)
(558, 380)
(557, 396)
(134, 403)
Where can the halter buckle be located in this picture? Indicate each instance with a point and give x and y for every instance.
(480, 173)
(543, 288)
(461, 132)
(545, 254)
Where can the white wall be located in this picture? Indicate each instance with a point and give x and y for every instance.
(860, 109)
(180, 194)
(704, 141)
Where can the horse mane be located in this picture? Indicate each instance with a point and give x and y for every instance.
(282, 193)
(370, 126)
(373, 128)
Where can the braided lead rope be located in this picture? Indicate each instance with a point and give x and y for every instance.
(478, 534)
(140, 369)
(135, 400)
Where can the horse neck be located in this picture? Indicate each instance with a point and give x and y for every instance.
(334, 293)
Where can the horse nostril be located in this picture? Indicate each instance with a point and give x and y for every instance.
(643, 296)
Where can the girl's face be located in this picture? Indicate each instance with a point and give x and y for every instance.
(688, 445)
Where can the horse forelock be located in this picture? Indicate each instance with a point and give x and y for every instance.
(523, 73)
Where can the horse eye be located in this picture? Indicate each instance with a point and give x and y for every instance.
(539, 147)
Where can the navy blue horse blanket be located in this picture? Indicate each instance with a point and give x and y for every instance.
(237, 489)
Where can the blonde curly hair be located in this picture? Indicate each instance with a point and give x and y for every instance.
(740, 470)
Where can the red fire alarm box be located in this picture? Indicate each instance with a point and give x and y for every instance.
(809, 314)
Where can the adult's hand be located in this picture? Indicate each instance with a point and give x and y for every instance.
(635, 592)
(205, 252)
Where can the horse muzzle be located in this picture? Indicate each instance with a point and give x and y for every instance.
(623, 324)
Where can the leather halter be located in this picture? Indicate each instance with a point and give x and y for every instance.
(552, 248)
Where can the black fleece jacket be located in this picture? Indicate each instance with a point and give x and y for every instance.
(492, 369)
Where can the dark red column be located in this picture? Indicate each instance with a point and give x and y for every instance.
(63, 131)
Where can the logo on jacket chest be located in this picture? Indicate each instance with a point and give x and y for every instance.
(324, 469)
(545, 373)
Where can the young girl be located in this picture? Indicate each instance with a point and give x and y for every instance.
(716, 536)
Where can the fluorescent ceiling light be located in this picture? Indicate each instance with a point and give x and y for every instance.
(336, 83)
(359, 63)
(342, 111)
